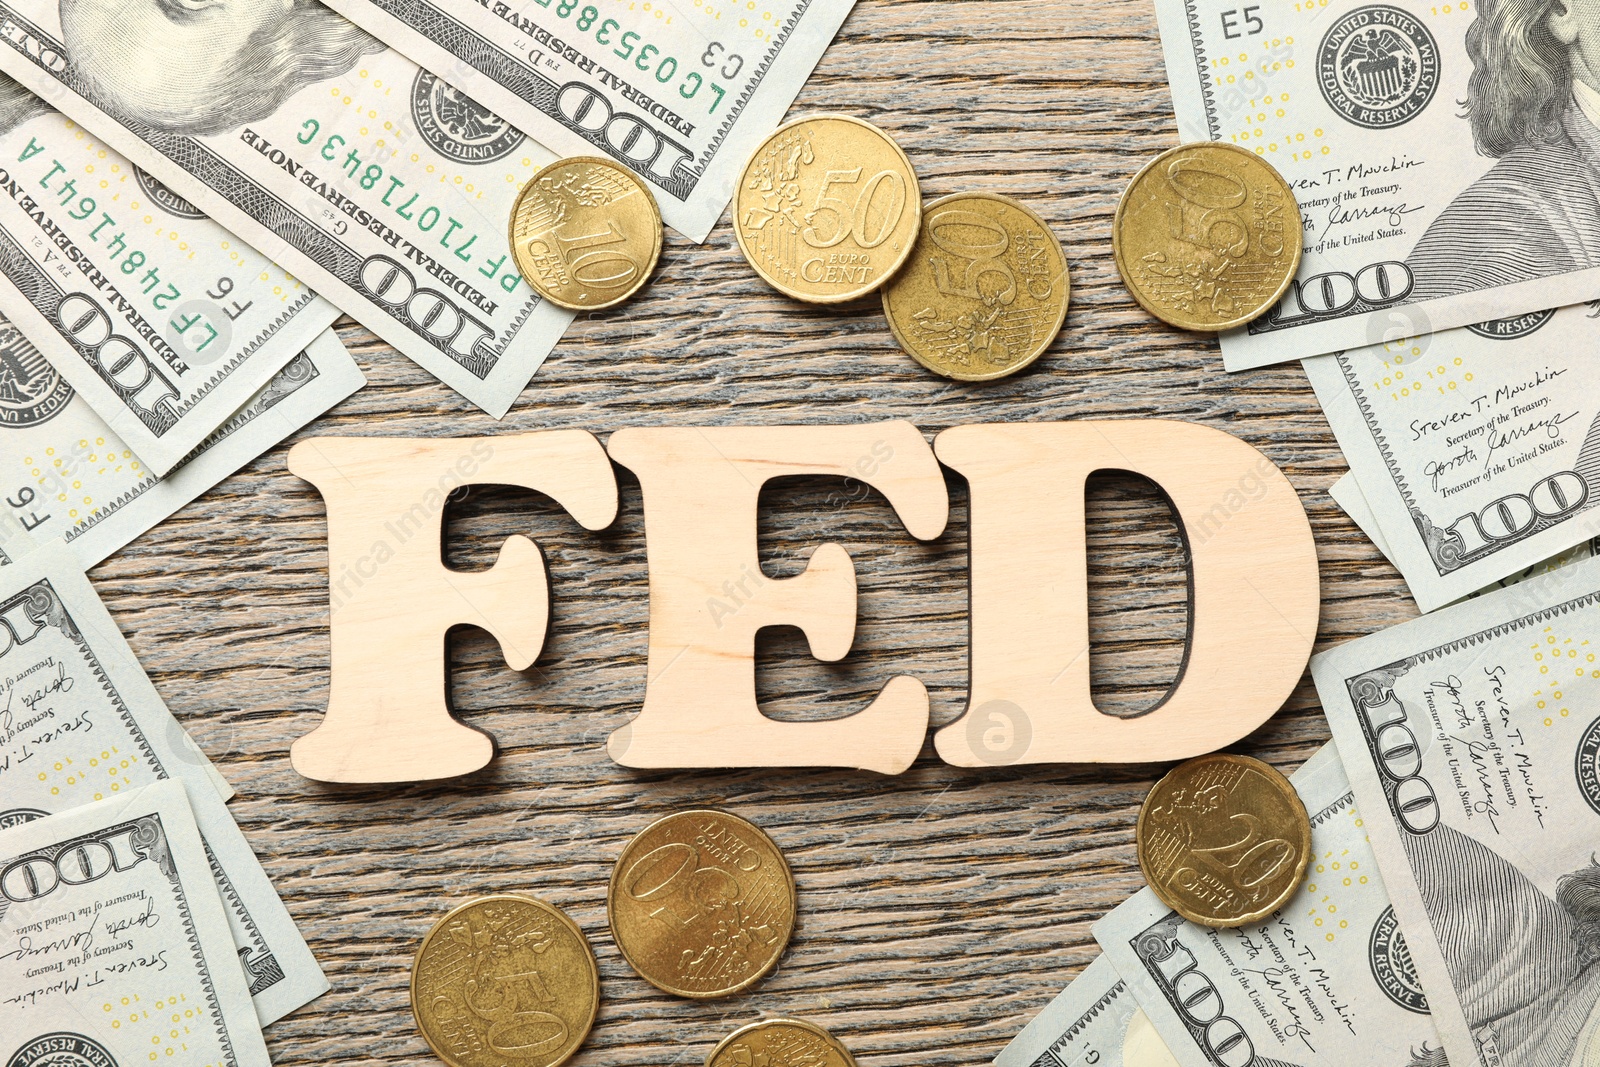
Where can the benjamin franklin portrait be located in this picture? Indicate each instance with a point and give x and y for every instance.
(1534, 104)
(1525, 965)
(204, 66)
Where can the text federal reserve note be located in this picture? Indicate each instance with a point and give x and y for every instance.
(114, 948)
(80, 722)
(1478, 449)
(679, 93)
(65, 476)
(372, 180)
(1325, 981)
(1440, 154)
(1472, 741)
(159, 318)
(1093, 1021)
(1347, 494)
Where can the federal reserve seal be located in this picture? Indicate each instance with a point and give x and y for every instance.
(165, 198)
(1378, 66)
(1514, 327)
(31, 392)
(18, 816)
(1588, 765)
(1391, 964)
(457, 126)
(62, 1049)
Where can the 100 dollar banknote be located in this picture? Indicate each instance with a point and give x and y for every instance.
(161, 319)
(679, 93)
(375, 182)
(1440, 154)
(1095, 1020)
(1477, 449)
(1326, 980)
(65, 476)
(81, 722)
(114, 948)
(1472, 740)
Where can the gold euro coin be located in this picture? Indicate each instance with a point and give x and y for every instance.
(780, 1041)
(702, 904)
(1207, 236)
(827, 209)
(505, 979)
(1224, 840)
(984, 292)
(586, 233)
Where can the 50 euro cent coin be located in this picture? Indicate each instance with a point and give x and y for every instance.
(1207, 236)
(585, 233)
(505, 979)
(985, 291)
(702, 904)
(827, 209)
(1223, 840)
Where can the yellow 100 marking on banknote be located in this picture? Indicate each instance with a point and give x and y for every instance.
(1419, 214)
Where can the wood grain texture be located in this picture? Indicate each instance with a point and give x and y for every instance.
(939, 910)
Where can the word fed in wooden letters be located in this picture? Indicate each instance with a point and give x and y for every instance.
(1253, 580)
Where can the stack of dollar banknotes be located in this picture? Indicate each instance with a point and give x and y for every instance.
(190, 193)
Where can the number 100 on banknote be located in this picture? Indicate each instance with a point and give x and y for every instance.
(1419, 214)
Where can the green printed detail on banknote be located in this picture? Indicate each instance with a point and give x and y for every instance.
(378, 184)
(680, 94)
(1441, 155)
(162, 321)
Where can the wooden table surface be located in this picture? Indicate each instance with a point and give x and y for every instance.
(940, 909)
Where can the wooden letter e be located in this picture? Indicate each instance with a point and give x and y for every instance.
(708, 596)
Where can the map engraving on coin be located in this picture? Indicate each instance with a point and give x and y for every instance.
(702, 904)
(505, 977)
(1207, 236)
(780, 1043)
(827, 209)
(1224, 840)
(984, 292)
(586, 233)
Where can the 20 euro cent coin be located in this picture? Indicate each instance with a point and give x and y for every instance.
(1207, 236)
(1224, 840)
(505, 979)
(586, 234)
(827, 209)
(702, 904)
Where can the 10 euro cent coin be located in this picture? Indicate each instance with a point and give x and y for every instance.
(1224, 840)
(1207, 236)
(505, 979)
(586, 234)
(984, 292)
(702, 904)
(827, 209)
